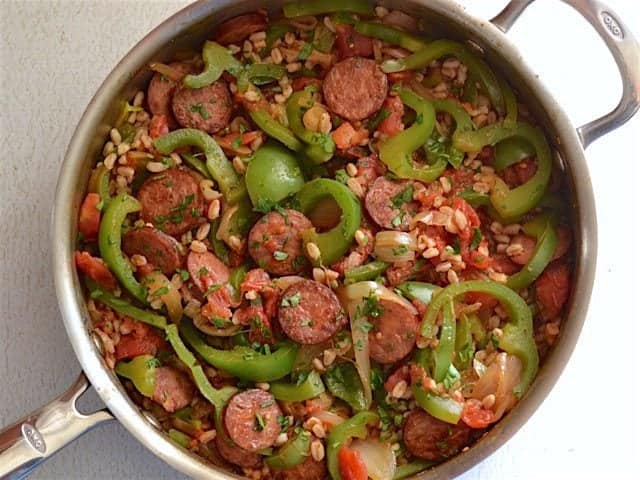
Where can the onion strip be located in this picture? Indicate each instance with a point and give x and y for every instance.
(161, 288)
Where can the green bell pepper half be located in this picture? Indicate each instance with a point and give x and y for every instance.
(336, 241)
(320, 147)
(276, 130)
(443, 353)
(242, 362)
(125, 308)
(110, 241)
(517, 337)
(216, 59)
(356, 426)
(197, 164)
(289, 392)
(388, 34)
(292, 453)
(368, 271)
(141, 370)
(300, 8)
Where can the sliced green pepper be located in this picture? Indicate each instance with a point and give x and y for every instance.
(368, 271)
(464, 343)
(288, 392)
(443, 353)
(320, 146)
(236, 278)
(512, 203)
(409, 469)
(544, 230)
(123, 307)
(110, 240)
(356, 426)
(442, 408)
(388, 34)
(517, 338)
(127, 132)
(323, 38)
(141, 370)
(511, 151)
(221, 169)
(292, 453)
(475, 199)
(197, 164)
(276, 31)
(276, 130)
(260, 74)
(510, 103)
(335, 242)
(216, 59)
(125, 111)
(442, 48)
(344, 383)
(243, 362)
(180, 438)
(99, 183)
(219, 247)
(418, 291)
(300, 8)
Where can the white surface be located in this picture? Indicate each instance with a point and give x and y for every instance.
(54, 54)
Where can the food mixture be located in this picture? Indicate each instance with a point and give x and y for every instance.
(327, 245)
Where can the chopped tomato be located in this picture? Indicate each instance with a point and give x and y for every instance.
(351, 44)
(400, 374)
(418, 375)
(564, 241)
(143, 340)
(236, 143)
(473, 221)
(346, 136)
(475, 416)
(301, 83)
(159, 126)
(89, 221)
(255, 279)
(475, 259)
(351, 465)
(259, 325)
(552, 289)
(95, 269)
(392, 125)
(218, 304)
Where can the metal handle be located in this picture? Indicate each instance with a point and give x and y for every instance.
(622, 45)
(35, 438)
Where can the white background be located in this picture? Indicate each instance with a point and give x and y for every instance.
(54, 55)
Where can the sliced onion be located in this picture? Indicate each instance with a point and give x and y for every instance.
(360, 290)
(391, 246)
(167, 71)
(224, 229)
(377, 456)
(204, 325)
(499, 379)
(285, 282)
(155, 282)
(399, 19)
(330, 419)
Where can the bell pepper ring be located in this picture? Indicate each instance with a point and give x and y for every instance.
(292, 453)
(388, 34)
(216, 59)
(301, 8)
(288, 392)
(141, 370)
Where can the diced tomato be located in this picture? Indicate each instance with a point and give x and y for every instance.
(401, 373)
(255, 279)
(301, 83)
(351, 44)
(89, 221)
(392, 125)
(346, 136)
(159, 126)
(351, 465)
(519, 173)
(420, 306)
(552, 289)
(475, 416)
(236, 143)
(501, 263)
(95, 269)
(218, 304)
(564, 241)
(143, 340)
(473, 221)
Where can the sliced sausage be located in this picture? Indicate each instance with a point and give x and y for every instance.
(275, 242)
(394, 332)
(432, 439)
(160, 250)
(207, 108)
(528, 247)
(350, 43)
(173, 389)
(390, 203)
(251, 418)
(234, 454)
(310, 312)
(172, 201)
(237, 29)
(206, 270)
(161, 88)
(355, 88)
(307, 470)
(552, 289)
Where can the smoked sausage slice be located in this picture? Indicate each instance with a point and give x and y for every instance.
(251, 418)
(394, 331)
(432, 439)
(160, 250)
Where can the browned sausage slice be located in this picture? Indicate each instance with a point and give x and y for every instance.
(310, 312)
(207, 108)
(161, 88)
(206, 270)
(160, 250)
(394, 332)
(432, 439)
(251, 418)
(307, 470)
(355, 88)
(172, 201)
(390, 203)
(234, 454)
(173, 389)
(275, 242)
(237, 29)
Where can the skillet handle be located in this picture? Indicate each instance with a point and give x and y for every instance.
(36, 437)
(623, 47)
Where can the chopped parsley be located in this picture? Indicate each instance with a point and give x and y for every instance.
(178, 212)
(372, 307)
(283, 422)
(456, 246)
(203, 271)
(403, 197)
(259, 426)
(237, 142)
(401, 250)
(419, 119)
(200, 110)
(342, 176)
(477, 238)
(306, 323)
(161, 291)
(302, 377)
(280, 256)
(439, 148)
(305, 52)
(359, 345)
(152, 363)
(375, 122)
(452, 377)
(366, 327)
(212, 289)
(397, 220)
(291, 301)
(465, 354)
(219, 322)
(266, 404)
(184, 275)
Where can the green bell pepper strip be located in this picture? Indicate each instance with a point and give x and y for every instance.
(335, 242)
(517, 337)
(197, 164)
(443, 353)
(275, 31)
(442, 408)
(217, 397)
(320, 146)
(216, 59)
(396, 152)
(413, 43)
(475, 199)
(300, 8)
(543, 229)
(418, 291)
(289, 392)
(273, 174)
(180, 438)
(512, 203)
(368, 271)
(260, 74)
(219, 247)
(356, 426)
(127, 132)
(510, 151)
(141, 370)
(99, 183)
(276, 130)
(236, 278)
(243, 362)
(125, 308)
(292, 453)
(434, 148)
(221, 169)
(126, 110)
(464, 343)
(344, 383)
(510, 104)
(441, 48)
(323, 38)
(110, 240)
(409, 469)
